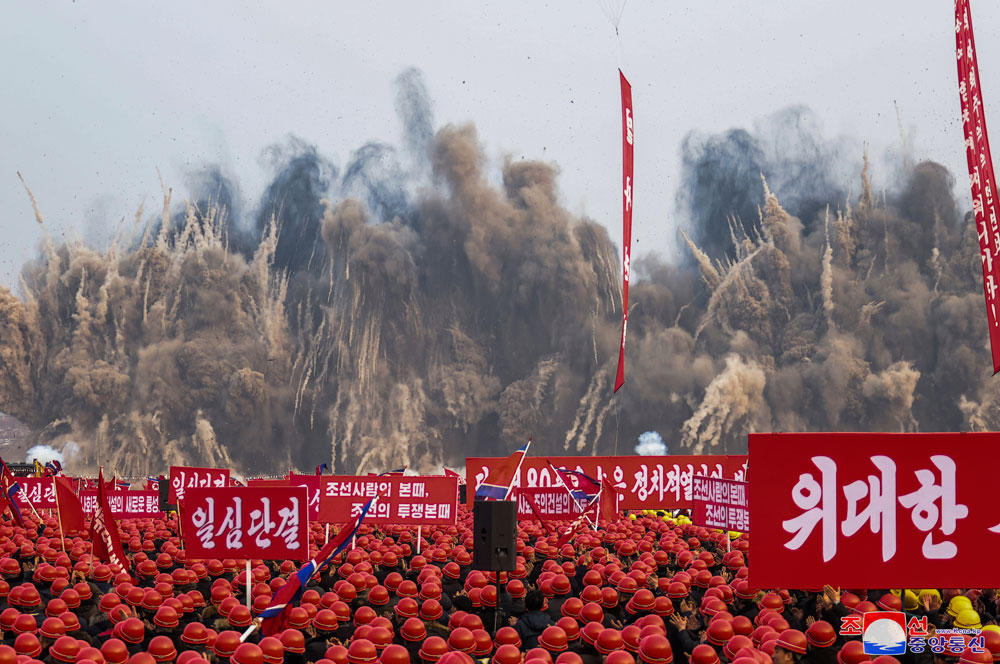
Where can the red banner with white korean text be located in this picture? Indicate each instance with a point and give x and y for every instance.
(720, 503)
(628, 152)
(874, 510)
(312, 483)
(981, 178)
(39, 490)
(405, 500)
(125, 504)
(271, 523)
(186, 477)
(643, 482)
(551, 504)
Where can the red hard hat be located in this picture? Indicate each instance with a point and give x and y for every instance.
(433, 648)
(65, 649)
(972, 656)
(771, 601)
(395, 654)
(166, 617)
(413, 630)
(407, 608)
(28, 644)
(430, 610)
(570, 626)
(704, 654)
(194, 634)
(380, 636)
(719, 632)
(484, 643)
(507, 654)
(271, 650)
(462, 640)
(793, 640)
(619, 657)
(293, 641)
(362, 651)
(852, 652)
(890, 602)
(162, 649)
(821, 634)
(52, 628)
(507, 636)
(553, 639)
(655, 649)
(591, 612)
(337, 654)
(735, 644)
(115, 651)
(25, 624)
(247, 653)
(141, 658)
(610, 640)
(240, 617)
(226, 643)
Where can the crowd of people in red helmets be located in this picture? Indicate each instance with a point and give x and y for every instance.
(646, 590)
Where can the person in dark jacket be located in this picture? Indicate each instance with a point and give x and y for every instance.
(531, 625)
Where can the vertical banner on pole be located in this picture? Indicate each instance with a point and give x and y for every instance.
(981, 178)
(627, 181)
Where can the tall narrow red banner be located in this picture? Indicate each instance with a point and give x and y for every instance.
(981, 178)
(627, 180)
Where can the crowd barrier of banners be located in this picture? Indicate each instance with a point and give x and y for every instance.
(551, 504)
(720, 503)
(313, 484)
(405, 500)
(271, 523)
(643, 482)
(874, 510)
(125, 504)
(185, 477)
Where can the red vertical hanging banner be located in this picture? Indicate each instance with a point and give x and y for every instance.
(627, 181)
(981, 178)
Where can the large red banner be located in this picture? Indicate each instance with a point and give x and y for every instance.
(551, 504)
(271, 523)
(405, 500)
(39, 490)
(874, 510)
(720, 503)
(125, 504)
(628, 154)
(643, 482)
(186, 477)
(981, 178)
(313, 485)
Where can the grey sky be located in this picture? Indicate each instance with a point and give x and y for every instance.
(97, 95)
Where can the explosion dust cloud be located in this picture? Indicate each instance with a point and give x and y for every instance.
(406, 310)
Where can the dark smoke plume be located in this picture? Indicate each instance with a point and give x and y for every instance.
(404, 309)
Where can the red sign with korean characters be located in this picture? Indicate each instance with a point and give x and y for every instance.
(39, 490)
(551, 504)
(644, 482)
(720, 503)
(187, 477)
(271, 523)
(405, 500)
(874, 510)
(312, 483)
(125, 504)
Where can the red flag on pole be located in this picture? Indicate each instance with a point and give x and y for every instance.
(11, 488)
(627, 181)
(68, 506)
(981, 178)
(608, 506)
(107, 542)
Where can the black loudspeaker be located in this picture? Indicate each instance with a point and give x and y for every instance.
(164, 486)
(461, 494)
(494, 535)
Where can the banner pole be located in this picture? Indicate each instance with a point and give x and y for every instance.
(326, 539)
(249, 604)
(62, 538)
(420, 536)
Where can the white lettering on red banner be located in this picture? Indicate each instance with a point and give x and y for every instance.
(720, 503)
(551, 504)
(413, 500)
(643, 482)
(628, 151)
(185, 477)
(980, 161)
(846, 509)
(271, 523)
(125, 504)
(39, 490)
